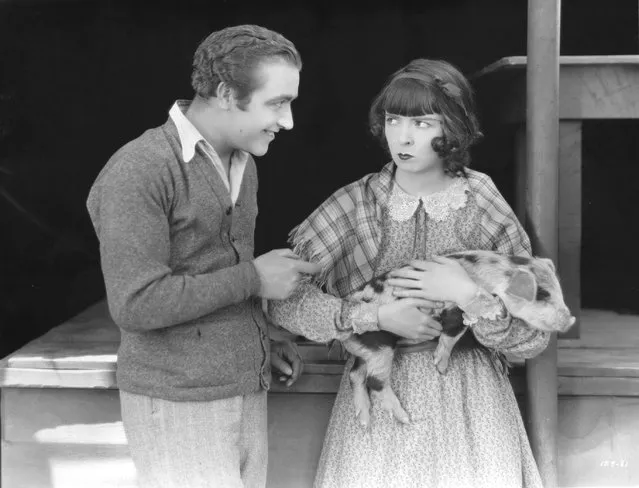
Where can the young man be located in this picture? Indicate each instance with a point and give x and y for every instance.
(174, 211)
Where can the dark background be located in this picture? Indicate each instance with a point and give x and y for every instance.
(78, 79)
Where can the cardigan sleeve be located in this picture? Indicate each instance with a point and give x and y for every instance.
(128, 205)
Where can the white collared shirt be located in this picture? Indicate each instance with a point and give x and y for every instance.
(190, 137)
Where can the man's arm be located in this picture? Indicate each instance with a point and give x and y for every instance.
(129, 209)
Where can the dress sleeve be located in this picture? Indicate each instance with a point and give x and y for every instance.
(496, 329)
(317, 310)
(322, 317)
(492, 325)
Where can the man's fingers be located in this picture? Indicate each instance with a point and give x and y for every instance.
(298, 367)
(287, 253)
(281, 365)
(292, 356)
(308, 268)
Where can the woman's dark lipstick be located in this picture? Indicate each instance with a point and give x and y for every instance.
(404, 156)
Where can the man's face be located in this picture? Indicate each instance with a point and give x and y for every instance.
(269, 109)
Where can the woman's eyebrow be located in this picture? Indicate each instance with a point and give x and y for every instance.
(434, 117)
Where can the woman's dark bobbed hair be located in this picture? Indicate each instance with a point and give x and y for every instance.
(426, 86)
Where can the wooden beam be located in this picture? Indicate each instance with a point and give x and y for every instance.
(569, 259)
(542, 185)
(520, 174)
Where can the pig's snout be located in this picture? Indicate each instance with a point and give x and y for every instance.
(566, 320)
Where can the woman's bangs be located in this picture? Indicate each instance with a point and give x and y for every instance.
(409, 98)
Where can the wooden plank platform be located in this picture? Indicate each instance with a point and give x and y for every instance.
(82, 353)
(61, 425)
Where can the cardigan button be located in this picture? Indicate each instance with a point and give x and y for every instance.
(229, 210)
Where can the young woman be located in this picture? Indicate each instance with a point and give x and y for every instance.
(465, 428)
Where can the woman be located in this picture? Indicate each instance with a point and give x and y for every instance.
(465, 427)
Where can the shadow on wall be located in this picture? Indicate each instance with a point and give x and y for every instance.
(609, 221)
(79, 79)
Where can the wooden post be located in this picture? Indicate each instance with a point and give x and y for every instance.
(570, 140)
(542, 185)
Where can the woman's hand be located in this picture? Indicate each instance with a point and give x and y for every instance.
(441, 279)
(409, 318)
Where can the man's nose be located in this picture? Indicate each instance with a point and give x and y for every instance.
(286, 119)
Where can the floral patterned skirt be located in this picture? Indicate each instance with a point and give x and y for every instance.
(466, 431)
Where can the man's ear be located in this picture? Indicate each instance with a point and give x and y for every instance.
(523, 285)
(225, 96)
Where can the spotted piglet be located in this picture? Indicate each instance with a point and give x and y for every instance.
(528, 287)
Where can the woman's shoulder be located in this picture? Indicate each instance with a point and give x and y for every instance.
(483, 186)
(477, 178)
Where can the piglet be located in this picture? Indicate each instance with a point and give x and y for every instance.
(528, 287)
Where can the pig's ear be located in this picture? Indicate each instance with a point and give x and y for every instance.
(550, 264)
(523, 285)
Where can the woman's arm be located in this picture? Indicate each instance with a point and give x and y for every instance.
(322, 317)
(446, 280)
(496, 329)
(503, 332)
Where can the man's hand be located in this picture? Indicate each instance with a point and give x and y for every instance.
(280, 271)
(286, 359)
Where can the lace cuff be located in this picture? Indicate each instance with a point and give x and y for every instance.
(359, 316)
(483, 305)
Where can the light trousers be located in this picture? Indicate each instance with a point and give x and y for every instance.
(220, 443)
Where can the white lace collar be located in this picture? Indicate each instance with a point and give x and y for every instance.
(438, 205)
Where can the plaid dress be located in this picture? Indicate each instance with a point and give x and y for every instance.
(466, 430)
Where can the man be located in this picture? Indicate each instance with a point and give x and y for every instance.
(174, 211)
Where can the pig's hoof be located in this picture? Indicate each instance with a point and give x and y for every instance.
(391, 404)
(362, 411)
(440, 359)
(401, 415)
(441, 363)
(364, 418)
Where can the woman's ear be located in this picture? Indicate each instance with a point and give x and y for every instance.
(523, 285)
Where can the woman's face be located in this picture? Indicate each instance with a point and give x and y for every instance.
(410, 142)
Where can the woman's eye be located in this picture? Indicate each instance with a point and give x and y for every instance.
(391, 120)
(423, 123)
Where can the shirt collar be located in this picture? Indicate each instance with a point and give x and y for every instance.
(189, 135)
